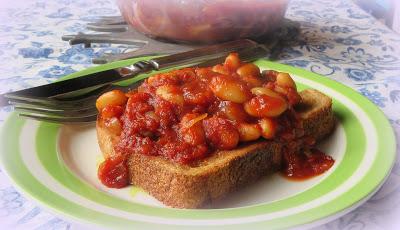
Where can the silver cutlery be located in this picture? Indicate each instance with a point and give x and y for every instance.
(73, 101)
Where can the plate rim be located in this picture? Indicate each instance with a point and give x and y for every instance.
(265, 63)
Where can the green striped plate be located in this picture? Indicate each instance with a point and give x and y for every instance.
(56, 165)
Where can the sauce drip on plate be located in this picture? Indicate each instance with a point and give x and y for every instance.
(301, 166)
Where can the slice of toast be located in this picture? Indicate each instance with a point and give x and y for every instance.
(183, 186)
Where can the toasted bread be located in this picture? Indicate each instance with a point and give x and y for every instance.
(183, 186)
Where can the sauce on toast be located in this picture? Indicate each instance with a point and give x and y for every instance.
(185, 115)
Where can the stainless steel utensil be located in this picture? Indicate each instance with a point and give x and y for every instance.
(61, 102)
(73, 88)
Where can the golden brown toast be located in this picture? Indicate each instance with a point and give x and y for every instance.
(184, 186)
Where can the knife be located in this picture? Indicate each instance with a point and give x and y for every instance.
(87, 83)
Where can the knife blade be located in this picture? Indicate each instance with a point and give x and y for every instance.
(95, 80)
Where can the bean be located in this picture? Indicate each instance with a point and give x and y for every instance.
(233, 111)
(170, 93)
(157, 80)
(248, 132)
(228, 139)
(284, 80)
(281, 89)
(228, 89)
(221, 133)
(252, 81)
(114, 126)
(232, 62)
(265, 106)
(220, 69)
(111, 98)
(197, 93)
(111, 111)
(248, 69)
(193, 135)
(265, 91)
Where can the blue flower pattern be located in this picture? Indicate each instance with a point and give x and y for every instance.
(56, 72)
(359, 74)
(77, 55)
(43, 33)
(35, 52)
(339, 41)
(11, 202)
(357, 55)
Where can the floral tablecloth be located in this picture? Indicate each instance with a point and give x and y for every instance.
(337, 40)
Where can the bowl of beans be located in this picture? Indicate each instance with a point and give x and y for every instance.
(203, 21)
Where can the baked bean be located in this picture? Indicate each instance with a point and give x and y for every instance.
(248, 69)
(284, 80)
(205, 73)
(197, 93)
(252, 81)
(170, 93)
(226, 88)
(193, 135)
(291, 94)
(265, 106)
(221, 133)
(265, 91)
(220, 69)
(185, 75)
(248, 132)
(111, 98)
(157, 80)
(268, 127)
(114, 125)
(281, 90)
(191, 129)
(111, 111)
(232, 111)
(232, 62)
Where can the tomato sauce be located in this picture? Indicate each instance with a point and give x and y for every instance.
(300, 166)
(113, 173)
(185, 115)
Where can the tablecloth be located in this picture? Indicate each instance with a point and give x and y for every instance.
(338, 40)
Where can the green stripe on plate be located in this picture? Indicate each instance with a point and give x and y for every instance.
(47, 153)
(29, 185)
(346, 168)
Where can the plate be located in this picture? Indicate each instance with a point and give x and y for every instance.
(56, 165)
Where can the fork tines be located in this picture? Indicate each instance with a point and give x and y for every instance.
(56, 111)
(82, 109)
(63, 120)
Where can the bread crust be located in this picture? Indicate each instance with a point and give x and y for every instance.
(184, 186)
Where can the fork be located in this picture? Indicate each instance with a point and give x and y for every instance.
(82, 109)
